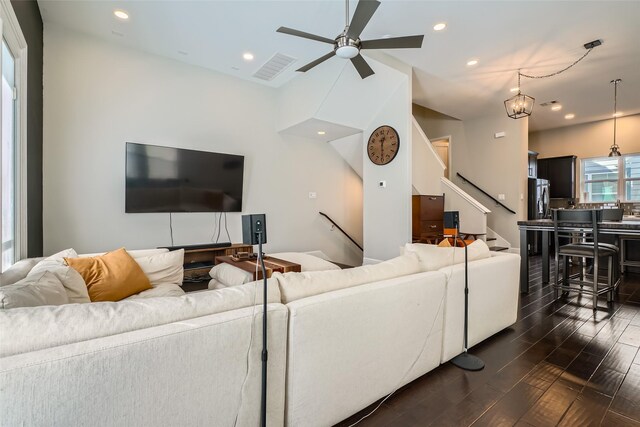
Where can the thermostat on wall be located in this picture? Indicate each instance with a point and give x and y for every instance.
(499, 135)
(382, 184)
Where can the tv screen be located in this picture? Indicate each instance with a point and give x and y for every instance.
(164, 179)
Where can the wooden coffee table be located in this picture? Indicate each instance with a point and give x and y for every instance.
(271, 265)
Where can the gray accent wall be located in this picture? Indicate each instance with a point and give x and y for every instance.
(30, 21)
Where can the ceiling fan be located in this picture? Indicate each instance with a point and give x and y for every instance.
(348, 44)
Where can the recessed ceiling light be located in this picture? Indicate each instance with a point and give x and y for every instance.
(569, 116)
(439, 26)
(514, 89)
(618, 114)
(121, 14)
(556, 107)
(248, 56)
(472, 62)
(321, 132)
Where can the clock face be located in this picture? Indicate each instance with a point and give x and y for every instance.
(383, 145)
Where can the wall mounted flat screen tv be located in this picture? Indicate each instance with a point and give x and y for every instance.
(165, 179)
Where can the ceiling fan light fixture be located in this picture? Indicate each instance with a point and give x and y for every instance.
(347, 48)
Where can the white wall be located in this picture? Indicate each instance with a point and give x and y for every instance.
(99, 95)
(498, 166)
(427, 167)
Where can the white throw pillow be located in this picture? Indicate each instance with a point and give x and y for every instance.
(166, 267)
(18, 271)
(307, 262)
(294, 286)
(34, 290)
(229, 275)
(433, 257)
(72, 281)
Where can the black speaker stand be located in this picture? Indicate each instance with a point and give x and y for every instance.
(265, 354)
(464, 360)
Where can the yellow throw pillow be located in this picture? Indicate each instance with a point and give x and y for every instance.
(445, 243)
(112, 276)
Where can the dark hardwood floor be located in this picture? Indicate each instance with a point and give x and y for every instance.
(558, 365)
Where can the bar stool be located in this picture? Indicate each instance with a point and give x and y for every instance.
(580, 226)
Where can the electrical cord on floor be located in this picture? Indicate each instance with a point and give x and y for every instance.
(424, 344)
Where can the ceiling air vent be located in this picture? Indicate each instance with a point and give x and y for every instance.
(274, 66)
(546, 104)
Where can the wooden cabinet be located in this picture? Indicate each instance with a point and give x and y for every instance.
(427, 218)
(561, 173)
(198, 262)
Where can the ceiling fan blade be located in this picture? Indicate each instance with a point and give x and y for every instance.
(362, 67)
(393, 43)
(304, 35)
(320, 60)
(364, 11)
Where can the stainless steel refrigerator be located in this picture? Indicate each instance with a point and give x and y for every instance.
(538, 208)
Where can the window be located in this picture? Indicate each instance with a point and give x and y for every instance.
(13, 131)
(608, 179)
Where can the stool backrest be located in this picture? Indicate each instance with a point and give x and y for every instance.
(575, 223)
(614, 214)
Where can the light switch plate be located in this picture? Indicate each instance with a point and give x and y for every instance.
(313, 195)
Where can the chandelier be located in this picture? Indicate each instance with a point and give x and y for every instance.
(521, 105)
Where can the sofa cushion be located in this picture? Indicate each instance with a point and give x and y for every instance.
(294, 286)
(307, 262)
(160, 290)
(163, 267)
(34, 290)
(434, 258)
(230, 275)
(36, 328)
(72, 281)
(111, 277)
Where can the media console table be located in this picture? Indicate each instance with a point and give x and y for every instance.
(271, 265)
(617, 228)
(199, 261)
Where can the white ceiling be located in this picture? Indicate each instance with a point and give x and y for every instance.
(537, 36)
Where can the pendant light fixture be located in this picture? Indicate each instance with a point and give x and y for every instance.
(520, 105)
(615, 149)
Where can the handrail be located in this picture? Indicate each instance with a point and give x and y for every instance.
(340, 228)
(485, 193)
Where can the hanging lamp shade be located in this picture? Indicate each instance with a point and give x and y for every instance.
(519, 106)
(615, 149)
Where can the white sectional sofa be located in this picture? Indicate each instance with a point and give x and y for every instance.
(338, 341)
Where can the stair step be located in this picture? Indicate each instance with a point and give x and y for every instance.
(490, 239)
(497, 248)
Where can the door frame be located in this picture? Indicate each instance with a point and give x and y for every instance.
(449, 140)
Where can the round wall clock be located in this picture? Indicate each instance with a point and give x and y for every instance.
(383, 145)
